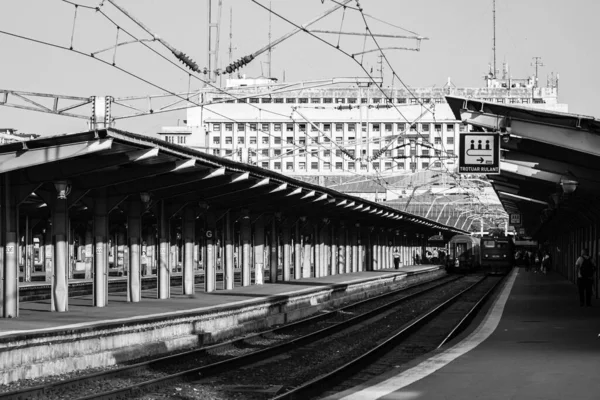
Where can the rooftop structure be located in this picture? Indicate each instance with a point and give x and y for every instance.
(315, 132)
(9, 135)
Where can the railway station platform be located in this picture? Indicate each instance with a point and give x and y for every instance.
(41, 343)
(534, 342)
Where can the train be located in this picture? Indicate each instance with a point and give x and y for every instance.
(463, 254)
(492, 253)
(497, 254)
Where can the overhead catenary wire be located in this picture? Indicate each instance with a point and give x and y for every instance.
(132, 74)
(342, 51)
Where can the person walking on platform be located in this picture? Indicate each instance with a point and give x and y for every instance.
(396, 255)
(416, 258)
(545, 262)
(585, 278)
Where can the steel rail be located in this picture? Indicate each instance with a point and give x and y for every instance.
(236, 362)
(39, 392)
(466, 320)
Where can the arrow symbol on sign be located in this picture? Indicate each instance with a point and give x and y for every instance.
(480, 159)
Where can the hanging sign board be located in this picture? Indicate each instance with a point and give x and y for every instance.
(515, 219)
(479, 153)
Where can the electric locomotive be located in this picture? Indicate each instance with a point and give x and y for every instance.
(497, 253)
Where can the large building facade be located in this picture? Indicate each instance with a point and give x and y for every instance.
(328, 134)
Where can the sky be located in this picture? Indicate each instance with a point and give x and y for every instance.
(459, 46)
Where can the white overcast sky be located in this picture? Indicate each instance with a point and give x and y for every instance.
(563, 33)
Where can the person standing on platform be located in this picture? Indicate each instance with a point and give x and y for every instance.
(396, 255)
(585, 278)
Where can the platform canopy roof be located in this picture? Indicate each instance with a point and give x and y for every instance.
(550, 163)
(124, 164)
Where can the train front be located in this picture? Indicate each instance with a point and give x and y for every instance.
(497, 254)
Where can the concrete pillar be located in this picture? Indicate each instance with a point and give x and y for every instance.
(228, 269)
(273, 262)
(10, 289)
(334, 250)
(210, 264)
(163, 270)
(60, 292)
(189, 239)
(259, 251)
(307, 255)
(134, 231)
(297, 251)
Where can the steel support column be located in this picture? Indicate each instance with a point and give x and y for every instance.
(246, 237)
(10, 273)
(354, 249)
(317, 250)
(259, 251)
(60, 283)
(273, 246)
(334, 250)
(164, 270)
(189, 241)
(297, 251)
(134, 231)
(360, 247)
(341, 266)
(228, 270)
(286, 232)
(210, 265)
(348, 254)
(307, 255)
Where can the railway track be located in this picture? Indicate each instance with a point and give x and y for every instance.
(130, 381)
(428, 332)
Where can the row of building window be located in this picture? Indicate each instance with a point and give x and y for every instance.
(339, 166)
(175, 139)
(365, 100)
(339, 127)
(333, 100)
(302, 140)
(338, 153)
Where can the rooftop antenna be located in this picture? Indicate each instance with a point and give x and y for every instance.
(231, 48)
(494, 41)
(213, 40)
(380, 62)
(270, 48)
(536, 63)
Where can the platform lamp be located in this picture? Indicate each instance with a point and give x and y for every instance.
(63, 188)
(568, 185)
(146, 199)
(203, 206)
